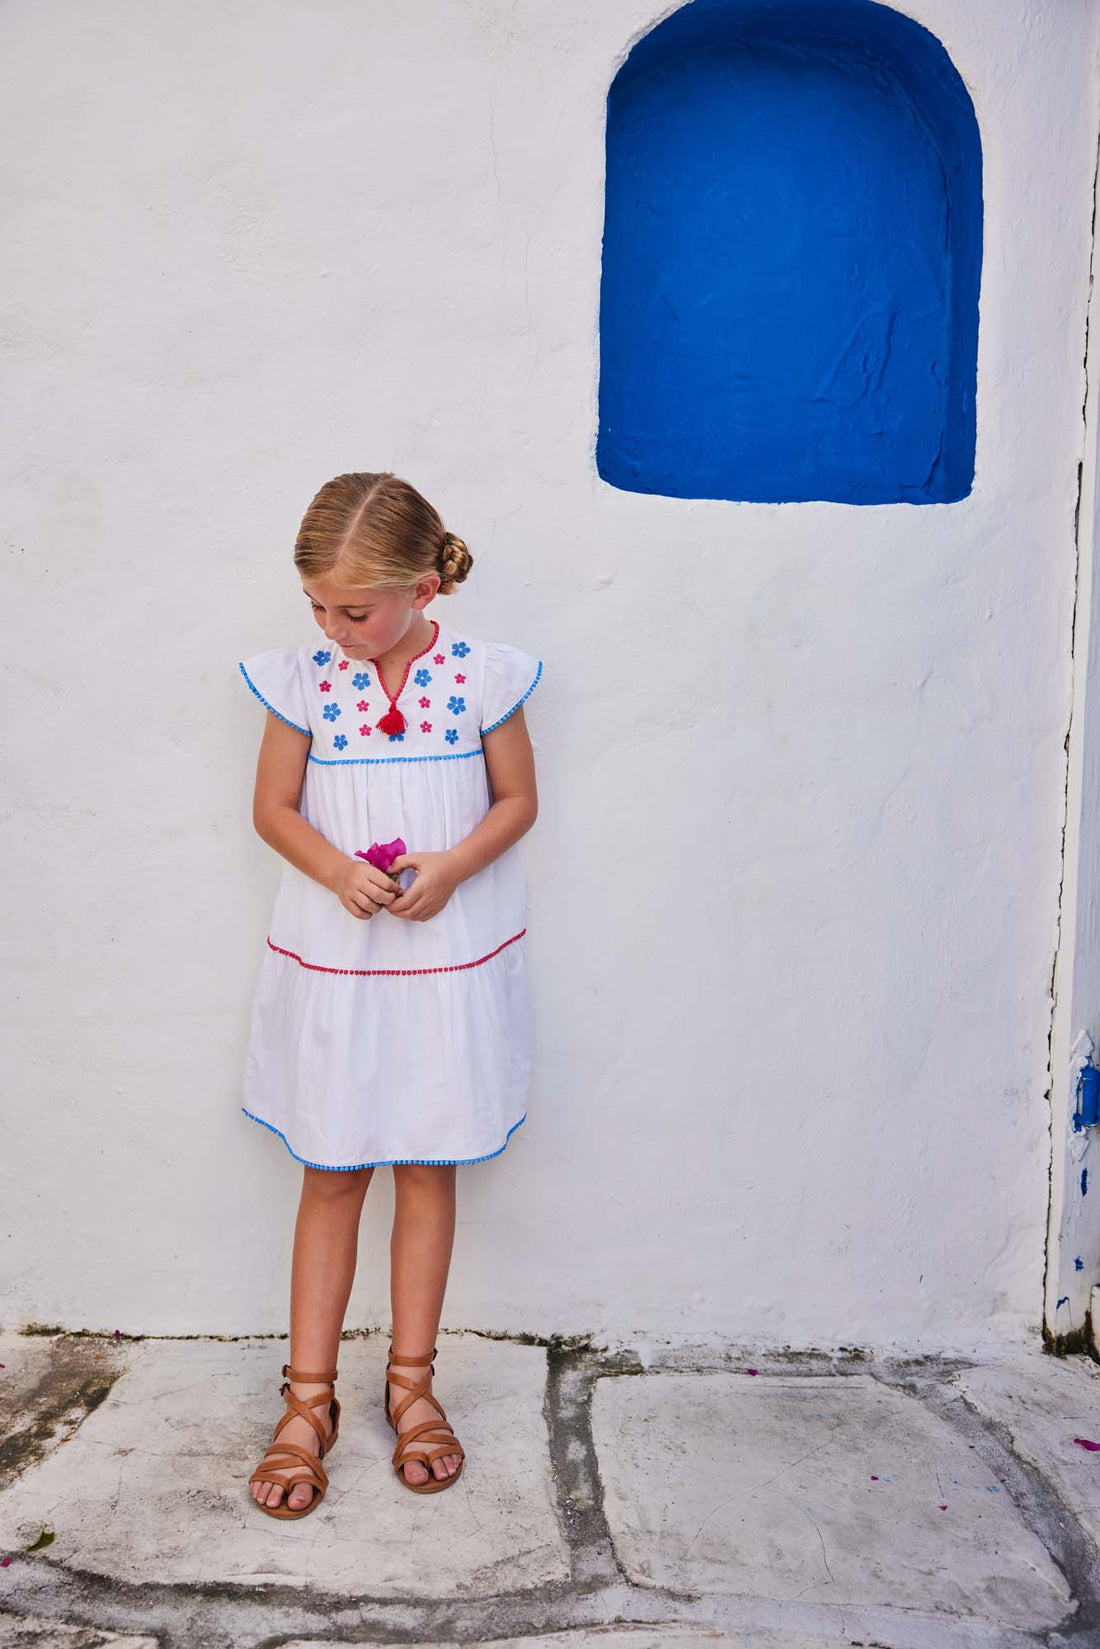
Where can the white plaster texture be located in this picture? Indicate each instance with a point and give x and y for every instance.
(794, 881)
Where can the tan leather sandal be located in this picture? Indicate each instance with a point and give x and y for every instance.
(410, 1443)
(290, 1457)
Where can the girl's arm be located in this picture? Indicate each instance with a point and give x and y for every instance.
(510, 763)
(279, 772)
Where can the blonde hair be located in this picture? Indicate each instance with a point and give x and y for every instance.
(375, 531)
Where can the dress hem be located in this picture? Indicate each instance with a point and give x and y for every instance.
(389, 1162)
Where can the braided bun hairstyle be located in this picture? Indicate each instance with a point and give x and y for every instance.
(372, 530)
(455, 562)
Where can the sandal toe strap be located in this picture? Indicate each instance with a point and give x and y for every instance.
(411, 1443)
(276, 1465)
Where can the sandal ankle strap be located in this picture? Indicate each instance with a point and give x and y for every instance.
(299, 1374)
(422, 1359)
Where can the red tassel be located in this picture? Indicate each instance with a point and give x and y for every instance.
(392, 722)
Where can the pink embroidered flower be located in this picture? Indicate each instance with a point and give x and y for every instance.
(343, 664)
(325, 686)
(425, 704)
(365, 728)
(460, 678)
(438, 658)
(362, 705)
(425, 726)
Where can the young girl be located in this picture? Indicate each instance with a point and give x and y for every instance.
(391, 1021)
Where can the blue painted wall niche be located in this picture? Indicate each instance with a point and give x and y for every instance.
(791, 259)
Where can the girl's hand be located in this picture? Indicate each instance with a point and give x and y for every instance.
(362, 889)
(436, 880)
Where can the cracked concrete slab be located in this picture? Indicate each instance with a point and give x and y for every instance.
(612, 1515)
(49, 1634)
(1044, 1403)
(49, 1383)
(627, 1637)
(152, 1486)
(842, 1491)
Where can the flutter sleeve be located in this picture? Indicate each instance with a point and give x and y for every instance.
(275, 678)
(511, 676)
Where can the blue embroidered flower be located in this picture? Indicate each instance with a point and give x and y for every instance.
(460, 649)
(456, 704)
(321, 658)
(397, 738)
(451, 735)
(422, 678)
(360, 681)
(330, 712)
(340, 740)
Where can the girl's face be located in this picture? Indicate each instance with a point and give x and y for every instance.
(368, 623)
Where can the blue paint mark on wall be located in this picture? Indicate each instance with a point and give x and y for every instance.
(791, 259)
(1084, 1182)
(1063, 1301)
(1078, 1264)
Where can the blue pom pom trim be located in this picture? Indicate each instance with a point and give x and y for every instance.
(393, 1162)
(360, 761)
(271, 707)
(518, 702)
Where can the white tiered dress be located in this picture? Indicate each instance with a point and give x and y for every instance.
(386, 1040)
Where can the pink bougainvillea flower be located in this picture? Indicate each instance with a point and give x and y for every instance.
(1085, 1443)
(382, 854)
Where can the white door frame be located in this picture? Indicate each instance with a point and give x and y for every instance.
(1073, 1230)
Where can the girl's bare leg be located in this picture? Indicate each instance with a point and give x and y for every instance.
(420, 1257)
(326, 1239)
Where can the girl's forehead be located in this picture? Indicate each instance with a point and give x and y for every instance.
(323, 589)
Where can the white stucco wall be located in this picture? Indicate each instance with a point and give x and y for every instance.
(794, 883)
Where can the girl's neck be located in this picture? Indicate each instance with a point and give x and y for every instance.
(407, 648)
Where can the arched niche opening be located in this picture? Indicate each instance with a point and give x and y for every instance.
(791, 259)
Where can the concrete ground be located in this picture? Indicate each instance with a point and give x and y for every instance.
(674, 1502)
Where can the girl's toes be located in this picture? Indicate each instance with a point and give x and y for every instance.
(300, 1495)
(415, 1473)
